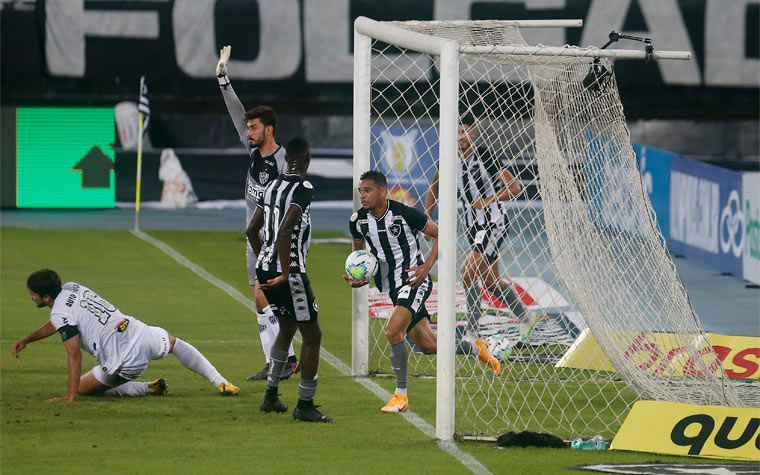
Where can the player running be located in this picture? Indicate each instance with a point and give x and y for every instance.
(283, 215)
(256, 128)
(482, 186)
(390, 228)
(123, 345)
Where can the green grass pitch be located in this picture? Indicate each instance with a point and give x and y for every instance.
(193, 429)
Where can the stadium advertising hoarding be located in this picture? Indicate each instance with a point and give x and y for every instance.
(660, 353)
(686, 429)
(64, 157)
(63, 50)
(654, 165)
(706, 216)
(408, 156)
(751, 205)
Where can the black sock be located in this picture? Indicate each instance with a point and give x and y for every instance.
(304, 405)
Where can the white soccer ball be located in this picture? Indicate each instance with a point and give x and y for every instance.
(361, 265)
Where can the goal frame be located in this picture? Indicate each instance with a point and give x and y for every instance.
(365, 30)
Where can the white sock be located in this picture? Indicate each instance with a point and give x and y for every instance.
(274, 329)
(132, 389)
(265, 334)
(401, 392)
(193, 360)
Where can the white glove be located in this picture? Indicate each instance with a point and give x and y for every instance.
(224, 56)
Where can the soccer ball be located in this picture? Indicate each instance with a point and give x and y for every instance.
(361, 265)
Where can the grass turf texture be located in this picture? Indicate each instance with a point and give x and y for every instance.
(194, 429)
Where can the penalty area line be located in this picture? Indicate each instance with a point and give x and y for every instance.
(450, 447)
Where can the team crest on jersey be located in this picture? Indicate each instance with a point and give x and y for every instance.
(353, 217)
(395, 229)
(263, 177)
(308, 185)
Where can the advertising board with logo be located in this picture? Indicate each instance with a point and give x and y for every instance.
(654, 165)
(751, 200)
(687, 429)
(408, 157)
(706, 215)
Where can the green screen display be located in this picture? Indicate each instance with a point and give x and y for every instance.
(63, 158)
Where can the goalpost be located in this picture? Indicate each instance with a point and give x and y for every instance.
(583, 251)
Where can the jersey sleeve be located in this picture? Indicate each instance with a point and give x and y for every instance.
(64, 325)
(237, 113)
(414, 218)
(353, 226)
(302, 195)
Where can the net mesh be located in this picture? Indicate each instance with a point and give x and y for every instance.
(604, 319)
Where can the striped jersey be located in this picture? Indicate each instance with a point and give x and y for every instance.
(478, 177)
(104, 332)
(392, 238)
(277, 198)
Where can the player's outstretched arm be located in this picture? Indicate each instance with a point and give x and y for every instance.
(418, 274)
(43, 332)
(75, 369)
(234, 106)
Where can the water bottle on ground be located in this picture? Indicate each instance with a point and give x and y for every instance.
(595, 443)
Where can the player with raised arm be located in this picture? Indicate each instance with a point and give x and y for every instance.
(283, 216)
(123, 345)
(482, 186)
(256, 128)
(390, 229)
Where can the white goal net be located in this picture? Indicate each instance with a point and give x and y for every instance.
(572, 288)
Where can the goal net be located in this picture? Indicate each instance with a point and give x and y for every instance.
(572, 290)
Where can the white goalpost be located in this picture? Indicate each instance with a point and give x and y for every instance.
(582, 252)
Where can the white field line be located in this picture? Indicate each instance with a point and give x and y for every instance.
(449, 447)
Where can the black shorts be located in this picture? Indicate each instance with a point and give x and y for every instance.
(292, 300)
(487, 239)
(414, 300)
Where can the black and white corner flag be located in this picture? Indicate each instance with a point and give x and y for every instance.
(144, 105)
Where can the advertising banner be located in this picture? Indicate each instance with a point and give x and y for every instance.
(740, 355)
(751, 199)
(654, 165)
(687, 429)
(706, 214)
(407, 156)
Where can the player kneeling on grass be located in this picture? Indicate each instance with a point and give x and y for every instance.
(123, 345)
(283, 214)
(390, 228)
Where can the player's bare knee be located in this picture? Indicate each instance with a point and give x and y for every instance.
(428, 347)
(393, 335)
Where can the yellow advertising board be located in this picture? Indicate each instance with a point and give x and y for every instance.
(688, 429)
(664, 353)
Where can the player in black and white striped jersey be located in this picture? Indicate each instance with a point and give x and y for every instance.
(283, 215)
(390, 229)
(256, 128)
(482, 187)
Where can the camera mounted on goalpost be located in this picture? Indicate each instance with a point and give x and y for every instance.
(598, 75)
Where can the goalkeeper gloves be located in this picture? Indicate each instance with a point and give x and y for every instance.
(221, 66)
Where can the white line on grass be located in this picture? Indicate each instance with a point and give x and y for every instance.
(449, 447)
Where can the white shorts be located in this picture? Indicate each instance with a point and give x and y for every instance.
(153, 345)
